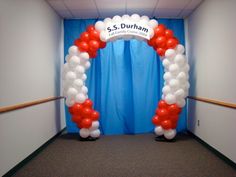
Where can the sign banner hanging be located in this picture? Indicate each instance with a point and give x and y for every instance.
(127, 28)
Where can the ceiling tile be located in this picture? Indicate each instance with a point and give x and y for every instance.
(147, 11)
(193, 4)
(87, 5)
(145, 4)
(84, 14)
(167, 13)
(65, 14)
(58, 5)
(111, 13)
(185, 13)
(109, 4)
(172, 4)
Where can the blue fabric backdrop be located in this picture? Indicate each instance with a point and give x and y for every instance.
(124, 81)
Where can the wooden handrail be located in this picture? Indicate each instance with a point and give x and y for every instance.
(216, 102)
(27, 104)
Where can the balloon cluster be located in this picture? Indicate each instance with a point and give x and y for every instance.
(86, 118)
(162, 40)
(166, 119)
(89, 41)
(101, 26)
(175, 64)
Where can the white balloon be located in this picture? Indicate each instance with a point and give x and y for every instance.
(166, 90)
(79, 70)
(158, 130)
(73, 50)
(66, 68)
(69, 102)
(151, 33)
(170, 134)
(87, 65)
(95, 125)
(170, 99)
(179, 59)
(84, 132)
(166, 63)
(107, 20)
(95, 133)
(182, 76)
(71, 92)
(152, 23)
(135, 17)
(179, 94)
(181, 102)
(103, 36)
(186, 68)
(84, 89)
(167, 76)
(144, 19)
(84, 55)
(84, 77)
(180, 49)
(116, 18)
(80, 98)
(170, 53)
(174, 83)
(67, 58)
(78, 83)
(186, 85)
(74, 61)
(174, 69)
(99, 26)
(70, 76)
(125, 17)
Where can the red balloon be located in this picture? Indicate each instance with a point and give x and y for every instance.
(166, 124)
(71, 110)
(86, 123)
(160, 51)
(160, 41)
(77, 109)
(88, 103)
(94, 35)
(162, 104)
(83, 46)
(87, 112)
(171, 43)
(152, 42)
(173, 109)
(174, 125)
(77, 119)
(93, 45)
(174, 118)
(79, 125)
(156, 120)
(90, 28)
(162, 114)
(77, 41)
(92, 54)
(102, 44)
(169, 33)
(84, 36)
(95, 115)
(159, 30)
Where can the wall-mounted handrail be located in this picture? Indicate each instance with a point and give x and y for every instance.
(27, 104)
(211, 101)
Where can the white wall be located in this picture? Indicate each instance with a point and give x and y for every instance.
(211, 49)
(31, 45)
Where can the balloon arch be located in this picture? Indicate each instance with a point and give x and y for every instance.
(126, 27)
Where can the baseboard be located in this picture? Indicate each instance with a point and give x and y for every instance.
(216, 152)
(32, 155)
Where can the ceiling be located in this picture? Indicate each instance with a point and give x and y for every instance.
(85, 9)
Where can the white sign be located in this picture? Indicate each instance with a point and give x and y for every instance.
(127, 28)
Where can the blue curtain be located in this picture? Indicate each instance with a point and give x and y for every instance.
(124, 81)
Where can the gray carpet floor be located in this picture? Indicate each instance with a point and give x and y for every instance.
(126, 156)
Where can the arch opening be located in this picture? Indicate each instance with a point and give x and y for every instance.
(163, 41)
